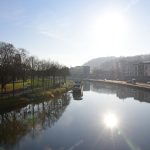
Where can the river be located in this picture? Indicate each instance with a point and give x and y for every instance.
(105, 117)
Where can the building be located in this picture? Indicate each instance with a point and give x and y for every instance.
(147, 69)
(141, 71)
(127, 70)
(80, 72)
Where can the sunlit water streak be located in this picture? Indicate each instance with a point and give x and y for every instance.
(110, 120)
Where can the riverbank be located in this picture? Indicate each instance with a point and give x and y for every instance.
(34, 97)
(52, 93)
(139, 85)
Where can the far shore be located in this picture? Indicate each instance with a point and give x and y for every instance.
(139, 85)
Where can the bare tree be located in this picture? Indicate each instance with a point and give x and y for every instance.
(16, 65)
(7, 55)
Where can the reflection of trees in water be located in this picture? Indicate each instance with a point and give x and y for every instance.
(31, 120)
(122, 92)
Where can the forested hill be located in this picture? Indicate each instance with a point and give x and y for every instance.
(107, 63)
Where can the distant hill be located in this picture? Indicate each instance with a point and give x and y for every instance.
(107, 63)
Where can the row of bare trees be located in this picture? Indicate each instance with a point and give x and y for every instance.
(17, 66)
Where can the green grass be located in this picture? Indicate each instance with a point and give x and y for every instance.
(19, 84)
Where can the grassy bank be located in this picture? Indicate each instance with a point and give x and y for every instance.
(52, 93)
(37, 96)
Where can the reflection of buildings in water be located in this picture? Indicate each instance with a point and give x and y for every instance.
(137, 94)
(86, 86)
(103, 88)
(31, 119)
(77, 95)
(122, 92)
(125, 92)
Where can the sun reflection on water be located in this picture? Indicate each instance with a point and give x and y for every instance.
(110, 120)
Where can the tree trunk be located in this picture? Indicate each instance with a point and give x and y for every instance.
(51, 82)
(65, 79)
(43, 81)
(38, 81)
(33, 82)
(23, 83)
(2, 82)
(13, 86)
(54, 81)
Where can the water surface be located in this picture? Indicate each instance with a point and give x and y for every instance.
(106, 117)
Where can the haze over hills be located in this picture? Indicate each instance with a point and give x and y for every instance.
(108, 63)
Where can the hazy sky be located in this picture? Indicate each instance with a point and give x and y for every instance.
(75, 31)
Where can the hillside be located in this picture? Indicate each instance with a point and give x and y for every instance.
(107, 63)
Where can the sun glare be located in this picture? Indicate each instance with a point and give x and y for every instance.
(109, 30)
(110, 24)
(110, 120)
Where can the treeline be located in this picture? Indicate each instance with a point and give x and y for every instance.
(17, 65)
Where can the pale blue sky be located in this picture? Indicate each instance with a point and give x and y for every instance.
(75, 31)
